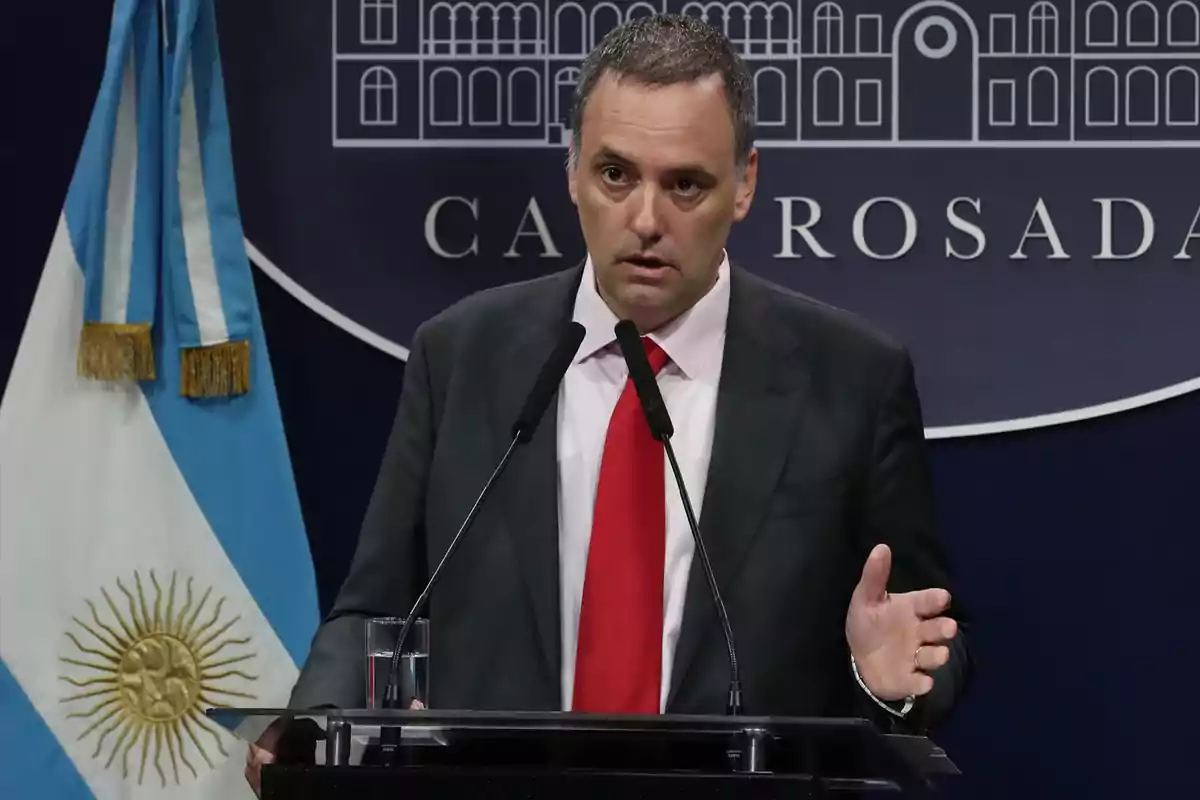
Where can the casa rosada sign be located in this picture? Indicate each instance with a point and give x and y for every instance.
(1006, 187)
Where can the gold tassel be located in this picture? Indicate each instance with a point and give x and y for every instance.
(217, 370)
(116, 352)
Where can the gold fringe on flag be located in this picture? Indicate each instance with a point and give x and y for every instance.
(116, 351)
(217, 370)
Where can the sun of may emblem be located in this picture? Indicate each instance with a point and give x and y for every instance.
(148, 672)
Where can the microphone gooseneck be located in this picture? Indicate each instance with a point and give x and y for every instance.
(543, 391)
(659, 420)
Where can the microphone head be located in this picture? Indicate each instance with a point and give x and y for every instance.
(643, 380)
(546, 385)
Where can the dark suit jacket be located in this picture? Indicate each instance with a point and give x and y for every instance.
(818, 455)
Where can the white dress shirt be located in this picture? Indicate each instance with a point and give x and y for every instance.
(695, 344)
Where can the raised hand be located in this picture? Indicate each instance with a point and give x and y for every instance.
(896, 639)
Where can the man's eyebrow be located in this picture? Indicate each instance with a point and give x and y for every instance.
(608, 154)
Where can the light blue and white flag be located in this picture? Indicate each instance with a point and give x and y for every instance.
(153, 560)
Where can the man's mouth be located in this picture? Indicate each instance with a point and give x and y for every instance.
(647, 262)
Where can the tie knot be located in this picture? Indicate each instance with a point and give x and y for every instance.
(655, 354)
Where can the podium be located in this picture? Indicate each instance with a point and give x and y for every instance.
(572, 756)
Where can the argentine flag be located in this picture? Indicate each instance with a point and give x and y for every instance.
(153, 561)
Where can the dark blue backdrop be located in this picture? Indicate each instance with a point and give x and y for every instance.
(1075, 546)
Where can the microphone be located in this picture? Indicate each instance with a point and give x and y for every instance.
(661, 429)
(523, 429)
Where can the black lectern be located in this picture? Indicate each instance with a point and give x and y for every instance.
(574, 756)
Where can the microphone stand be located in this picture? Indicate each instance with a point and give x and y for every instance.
(733, 704)
(392, 693)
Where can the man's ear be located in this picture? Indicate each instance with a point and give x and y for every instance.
(572, 173)
(746, 188)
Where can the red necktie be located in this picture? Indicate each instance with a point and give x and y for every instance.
(618, 666)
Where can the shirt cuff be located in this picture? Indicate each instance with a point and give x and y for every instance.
(891, 708)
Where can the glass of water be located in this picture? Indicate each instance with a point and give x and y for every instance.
(413, 673)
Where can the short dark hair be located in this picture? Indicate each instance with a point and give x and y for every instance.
(665, 49)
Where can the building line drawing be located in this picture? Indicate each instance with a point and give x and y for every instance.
(1183, 13)
(826, 73)
(1043, 77)
(997, 23)
(1002, 99)
(1174, 117)
(1151, 91)
(1094, 76)
(864, 89)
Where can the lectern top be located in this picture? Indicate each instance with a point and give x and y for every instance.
(847, 750)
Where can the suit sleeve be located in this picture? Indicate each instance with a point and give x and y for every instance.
(898, 510)
(388, 568)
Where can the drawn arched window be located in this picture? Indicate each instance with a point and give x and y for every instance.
(377, 97)
(1183, 24)
(780, 31)
(1101, 25)
(517, 28)
(1141, 25)
(441, 29)
(570, 30)
(1183, 97)
(529, 29)
(506, 29)
(1100, 97)
(1043, 97)
(1043, 29)
(445, 97)
(486, 36)
(827, 29)
(524, 97)
(758, 29)
(483, 96)
(770, 97)
(828, 97)
(564, 88)
(737, 27)
(377, 22)
(463, 40)
(1141, 97)
(605, 17)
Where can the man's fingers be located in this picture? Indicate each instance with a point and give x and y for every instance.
(930, 657)
(255, 758)
(937, 630)
(872, 587)
(260, 755)
(930, 602)
(921, 684)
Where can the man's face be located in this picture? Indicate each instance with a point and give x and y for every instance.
(657, 187)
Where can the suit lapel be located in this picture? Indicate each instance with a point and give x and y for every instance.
(531, 482)
(759, 401)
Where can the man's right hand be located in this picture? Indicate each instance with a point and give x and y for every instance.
(262, 752)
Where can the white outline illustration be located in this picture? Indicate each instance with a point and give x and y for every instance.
(1084, 55)
(366, 335)
(1096, 52)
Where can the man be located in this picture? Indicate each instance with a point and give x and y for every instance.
(798, 430)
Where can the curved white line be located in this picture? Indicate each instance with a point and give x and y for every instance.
(945, 432)
(1064, 417)
(328, 312)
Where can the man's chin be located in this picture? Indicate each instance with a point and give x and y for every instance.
(650, 307)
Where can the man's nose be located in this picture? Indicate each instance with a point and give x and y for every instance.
(646, 219)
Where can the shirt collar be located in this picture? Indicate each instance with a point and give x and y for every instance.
(690, 340)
